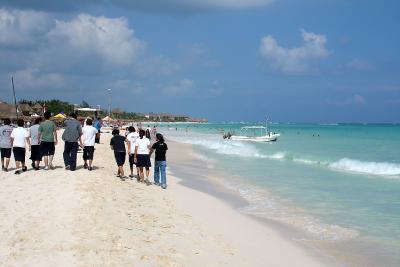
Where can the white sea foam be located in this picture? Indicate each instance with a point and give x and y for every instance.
(266, 205)
(248, 150)
(375, 168)
(209, 163)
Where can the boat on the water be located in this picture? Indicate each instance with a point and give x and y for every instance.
(253, 133)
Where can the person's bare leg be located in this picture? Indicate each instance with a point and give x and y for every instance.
(131, 167)
(2, 162)
(17, 166)
(147, 173)
(90, 163)
(37, 164)
(51, 157)
(141, 175)
(7, 162)
(121, 171)
(46, 161)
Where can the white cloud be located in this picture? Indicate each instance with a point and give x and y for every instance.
(298, 60)
(360, 65)
(21, 28)
(149, 5)
(33, 79)
(182, 87)
(104, 40)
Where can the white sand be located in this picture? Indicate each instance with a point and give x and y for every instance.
(82, 218)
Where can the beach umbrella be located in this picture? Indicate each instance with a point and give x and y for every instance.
(59, 116)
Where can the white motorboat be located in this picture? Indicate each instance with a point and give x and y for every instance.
(253, 133)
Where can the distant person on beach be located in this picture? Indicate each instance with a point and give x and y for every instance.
(97, 124)
(36, 155)
(153, 133)
(147, 134)
(72, 134)
(160, 163)
(142, 157)
(131, 139)
(5, 144)
(48, 140)
(88, 136)
(19, 138)
(117, 144)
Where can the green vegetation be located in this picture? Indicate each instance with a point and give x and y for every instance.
(56, 106)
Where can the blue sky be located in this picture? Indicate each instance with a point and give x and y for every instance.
(227, 60)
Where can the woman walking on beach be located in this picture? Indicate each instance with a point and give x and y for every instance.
(142, 156)
(160, 163)
(19, 138)
(48, 140)
(36, 155)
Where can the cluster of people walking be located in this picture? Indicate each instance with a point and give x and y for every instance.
(41, 139)
(139, 152)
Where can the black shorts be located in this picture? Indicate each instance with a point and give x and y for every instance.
(131, 160)
(36, 154)
(47, 148)
(120, 158)
(19, 153)
(5, 152)
(143, 160)
(88, 152)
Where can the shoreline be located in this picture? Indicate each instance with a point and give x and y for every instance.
(206, 183)
(352, 252)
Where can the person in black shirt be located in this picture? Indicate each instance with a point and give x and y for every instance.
(117, 144)
(160, 147)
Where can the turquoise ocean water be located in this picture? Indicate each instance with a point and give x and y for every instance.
(333, 182)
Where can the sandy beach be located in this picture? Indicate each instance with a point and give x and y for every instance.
(82, 218)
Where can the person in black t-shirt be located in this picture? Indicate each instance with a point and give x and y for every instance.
(117, 144)
(160, 147)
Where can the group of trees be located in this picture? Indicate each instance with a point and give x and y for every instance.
(56, 106)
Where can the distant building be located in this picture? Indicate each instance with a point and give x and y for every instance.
(8, 111)
(38, 109)
(25, 109)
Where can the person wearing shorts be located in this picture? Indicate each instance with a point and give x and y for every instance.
(36, 155)
(19, 138)
(5, 144)
(131, 141)
(89, 139)
(142, 157)
(117, 144)
(48, 140)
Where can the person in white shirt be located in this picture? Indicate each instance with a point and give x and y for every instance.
(36, 155)
(19, 138)
(142, 156)
(131, 140)
(89, 138)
